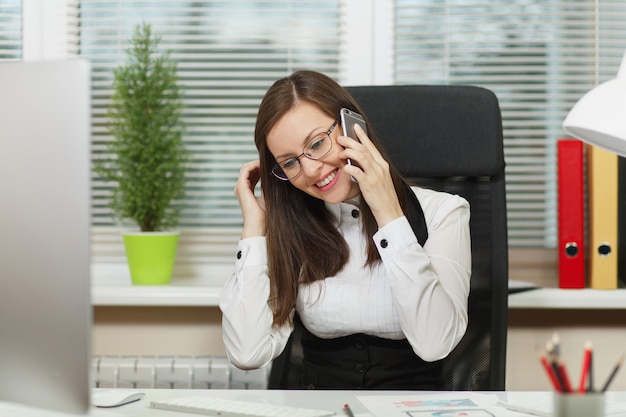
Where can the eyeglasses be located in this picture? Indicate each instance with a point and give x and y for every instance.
(316, 148)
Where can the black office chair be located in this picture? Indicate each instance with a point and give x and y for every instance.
(448, 138)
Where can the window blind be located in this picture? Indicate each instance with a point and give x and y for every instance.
(538, 57)
(10, 30)
(228, 54)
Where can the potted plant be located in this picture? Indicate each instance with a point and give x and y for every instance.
(146, 159)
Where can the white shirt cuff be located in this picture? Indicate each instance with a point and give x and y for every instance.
(394, 236)
(251, 251)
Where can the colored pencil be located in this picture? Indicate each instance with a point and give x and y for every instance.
(613, 373)
(567, 386)
(550, 372)
(347, 411)
(584, 373)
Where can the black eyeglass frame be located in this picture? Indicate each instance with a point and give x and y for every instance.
(277, 170)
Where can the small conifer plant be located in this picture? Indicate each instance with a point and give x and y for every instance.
(146, 159)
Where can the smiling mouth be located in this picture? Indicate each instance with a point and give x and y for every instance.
(327, 180)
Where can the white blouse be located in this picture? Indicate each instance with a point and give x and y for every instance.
(418, 293)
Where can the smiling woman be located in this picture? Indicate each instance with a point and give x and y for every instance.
(366, 265)
(321, 174)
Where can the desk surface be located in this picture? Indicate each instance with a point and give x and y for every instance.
(327, 400)
(335, 400)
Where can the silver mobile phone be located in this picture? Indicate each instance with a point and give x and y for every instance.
(348, 119)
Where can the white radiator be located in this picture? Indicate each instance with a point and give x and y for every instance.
(176, 372)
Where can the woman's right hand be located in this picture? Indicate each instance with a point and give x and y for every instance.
(252, 207)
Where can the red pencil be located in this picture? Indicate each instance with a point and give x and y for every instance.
(347, 410)
(550, 371)
(566, 383)
(584, 373)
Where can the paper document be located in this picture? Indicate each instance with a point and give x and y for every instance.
(471, 404)
(465, 404)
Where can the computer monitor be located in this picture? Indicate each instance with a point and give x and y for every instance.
(45, 306)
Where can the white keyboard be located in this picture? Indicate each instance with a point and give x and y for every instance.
(210, 406)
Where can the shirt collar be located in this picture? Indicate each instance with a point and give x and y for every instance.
(343, 209)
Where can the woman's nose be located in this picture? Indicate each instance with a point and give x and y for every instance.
(310, 167)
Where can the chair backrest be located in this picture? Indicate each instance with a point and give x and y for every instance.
(449, 138)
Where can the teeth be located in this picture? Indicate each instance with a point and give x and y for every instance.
(326, 180)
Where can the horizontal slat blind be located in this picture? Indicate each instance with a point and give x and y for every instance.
(10, 30)
(228, 54)
(538, 57)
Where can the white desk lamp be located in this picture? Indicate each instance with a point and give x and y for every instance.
(599, 117)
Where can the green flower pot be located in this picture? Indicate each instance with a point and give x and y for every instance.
(151, 256)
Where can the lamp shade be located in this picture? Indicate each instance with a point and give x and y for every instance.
(599, 117)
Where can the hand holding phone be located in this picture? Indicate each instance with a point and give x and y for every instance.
(348, 119)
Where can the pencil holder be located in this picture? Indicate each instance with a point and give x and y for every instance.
(579, 405)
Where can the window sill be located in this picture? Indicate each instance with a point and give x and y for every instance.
(152, 296)
(191, 295)
(200, 286)
(555, 298)
(197, 286)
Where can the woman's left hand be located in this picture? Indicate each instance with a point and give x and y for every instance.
(373, 176)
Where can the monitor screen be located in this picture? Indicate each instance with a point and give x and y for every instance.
(45, 306)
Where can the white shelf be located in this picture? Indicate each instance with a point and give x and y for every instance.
(111, 286)
(162, 295)
(555, 298)
(208, 296)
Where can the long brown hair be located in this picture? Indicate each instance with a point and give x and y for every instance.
(303, 244)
